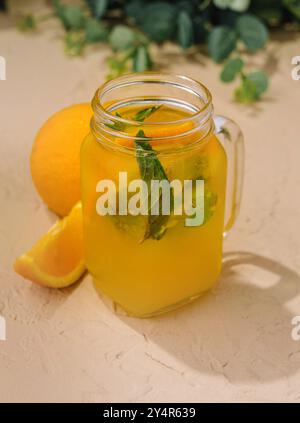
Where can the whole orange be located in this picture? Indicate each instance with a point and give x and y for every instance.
(55, 157)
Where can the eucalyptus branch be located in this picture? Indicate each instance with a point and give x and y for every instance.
(131, 28)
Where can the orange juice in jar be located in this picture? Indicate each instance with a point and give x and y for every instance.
(154, 193)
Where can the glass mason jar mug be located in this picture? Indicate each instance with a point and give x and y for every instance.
(154, 192)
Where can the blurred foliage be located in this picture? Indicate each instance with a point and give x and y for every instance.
(226, 30)
(2, 5)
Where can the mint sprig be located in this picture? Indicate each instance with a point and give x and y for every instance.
(151, 169)
(140, 116)
(143, 114)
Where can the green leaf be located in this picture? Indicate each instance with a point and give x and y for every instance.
(3, 6)
(200, 29)
(141, 59)
(236, 5)
(188, 6)
(293, 6)
(134, 9)
(210, 203)
(140, 116)
(143, 114)
(117, 125)
(97, 7)
(185, 30)
(72, 17)
(57, 6)
(260, 80)
(159, 20)
(222, 4)
(74, 43)
(272, 16)
(95, 31)
(121, 37)
(252, 31)
(252, 87)
(231, 69)
(247, 92)
(221, 42)
(118, 65)
(151, 169)
(26, 23)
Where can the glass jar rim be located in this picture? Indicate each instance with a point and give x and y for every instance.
(148, 77)
(107, 126)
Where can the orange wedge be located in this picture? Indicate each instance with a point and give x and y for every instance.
(56, 260)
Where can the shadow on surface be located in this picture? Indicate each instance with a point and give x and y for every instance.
(241, 330)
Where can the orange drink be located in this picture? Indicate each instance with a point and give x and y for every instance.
(154, 133)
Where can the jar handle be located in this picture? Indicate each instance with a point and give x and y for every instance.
(231, 137)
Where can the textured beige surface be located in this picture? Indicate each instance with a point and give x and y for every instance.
(233, 345)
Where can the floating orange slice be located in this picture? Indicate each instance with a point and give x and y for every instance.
(157, 134)
(57, 259)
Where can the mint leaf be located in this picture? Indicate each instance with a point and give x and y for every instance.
(151, 169)
(231, 69)
(141, 115)
(210, 202)
(252, 31)
(117, 126)
(221, 42)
